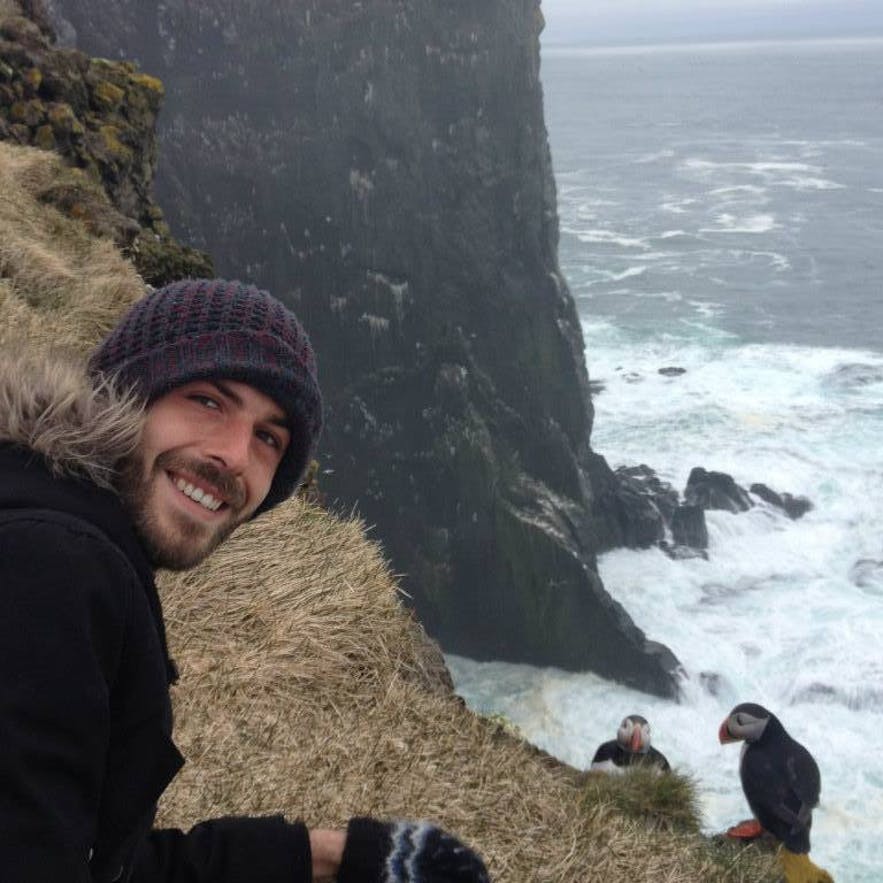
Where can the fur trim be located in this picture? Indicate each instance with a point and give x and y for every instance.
(50, 405)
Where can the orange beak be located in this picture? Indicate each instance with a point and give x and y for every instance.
(723, 734)
(636, 742)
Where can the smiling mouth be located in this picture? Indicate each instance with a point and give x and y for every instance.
(197, 494)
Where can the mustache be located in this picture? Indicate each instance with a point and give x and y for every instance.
(221, 479)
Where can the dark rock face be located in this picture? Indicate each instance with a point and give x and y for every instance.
(793, 507)
(715, 490)
(383, 168)
(688, 527)
(645, 505)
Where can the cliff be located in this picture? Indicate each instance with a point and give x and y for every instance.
(383, 167)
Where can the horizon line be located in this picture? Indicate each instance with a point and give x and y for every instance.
(616, 48)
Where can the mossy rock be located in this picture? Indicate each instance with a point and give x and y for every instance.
(33, 78)
(44, 137)
(108, 96)
(115, 149)
(152, 84)
(63, 120)
(28, 113)
(160, 259)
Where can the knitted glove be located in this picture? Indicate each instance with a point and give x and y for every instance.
(406, 852)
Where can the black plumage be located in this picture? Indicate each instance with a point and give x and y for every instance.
(779, 776)
(631, 748)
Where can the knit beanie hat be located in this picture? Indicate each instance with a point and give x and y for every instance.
(406, 852)
(211, 328)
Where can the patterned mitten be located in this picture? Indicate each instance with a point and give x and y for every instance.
(406, 852)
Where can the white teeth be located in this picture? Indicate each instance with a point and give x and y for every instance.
(198, 495)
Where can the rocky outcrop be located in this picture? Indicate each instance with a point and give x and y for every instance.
(101, 116)
(793, 507)
(715, 490)
(383, 167)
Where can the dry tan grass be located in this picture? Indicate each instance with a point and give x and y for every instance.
(305, 686)
(303, 690)
(58, 284)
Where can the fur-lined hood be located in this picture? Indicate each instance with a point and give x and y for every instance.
(50, 405)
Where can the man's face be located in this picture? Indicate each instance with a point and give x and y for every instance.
(204, 464)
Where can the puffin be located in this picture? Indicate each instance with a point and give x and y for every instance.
(781, 782)
(630, 748)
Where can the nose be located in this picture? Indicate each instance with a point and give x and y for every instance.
(230, 445)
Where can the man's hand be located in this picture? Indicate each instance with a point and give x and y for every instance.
(327, 849)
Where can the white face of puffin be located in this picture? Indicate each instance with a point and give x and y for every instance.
(634, 734)
(745, 722)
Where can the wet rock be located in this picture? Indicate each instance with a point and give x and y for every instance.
(713, 682)
(672, 371)
(678, 552)
(794, 507)
(688, 527)
(644, 505)
(867, 573)
(715, 490)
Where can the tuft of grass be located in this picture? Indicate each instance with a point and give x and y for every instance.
(664, 802)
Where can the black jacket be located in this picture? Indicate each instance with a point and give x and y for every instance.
(85, 717)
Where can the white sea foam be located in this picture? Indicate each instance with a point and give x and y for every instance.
(811, 183)
(777, 614)
(654, 157)
(678, 206)
(610, 237)
(727, 223)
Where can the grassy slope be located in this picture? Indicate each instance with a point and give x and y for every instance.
(305, 686)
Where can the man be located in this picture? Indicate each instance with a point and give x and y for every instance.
(198, 412)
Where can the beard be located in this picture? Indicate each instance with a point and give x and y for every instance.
(185, 542)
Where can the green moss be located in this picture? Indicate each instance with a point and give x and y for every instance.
(107, 95)
(33, 77)
(662, 801)
(63, 120)
(504, 725)
(145, 81)
(44, 138)
(29, 113)
(110, 137)
(160, 260)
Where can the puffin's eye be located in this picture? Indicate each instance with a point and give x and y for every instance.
(739, 720)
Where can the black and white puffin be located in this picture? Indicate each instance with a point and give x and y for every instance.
(781, 782)
(630, 748)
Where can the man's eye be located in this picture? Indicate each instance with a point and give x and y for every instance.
(269, 439)
(207, 401)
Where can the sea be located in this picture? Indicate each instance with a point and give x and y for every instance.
(721, 212)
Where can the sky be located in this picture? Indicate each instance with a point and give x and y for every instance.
(660, 21)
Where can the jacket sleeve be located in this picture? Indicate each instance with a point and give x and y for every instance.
(64, 603)
(229, 850)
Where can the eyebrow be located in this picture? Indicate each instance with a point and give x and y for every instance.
(227, 392)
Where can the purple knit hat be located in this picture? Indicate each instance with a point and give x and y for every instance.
(212, 328)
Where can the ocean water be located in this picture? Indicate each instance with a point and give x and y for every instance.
(722, 211)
